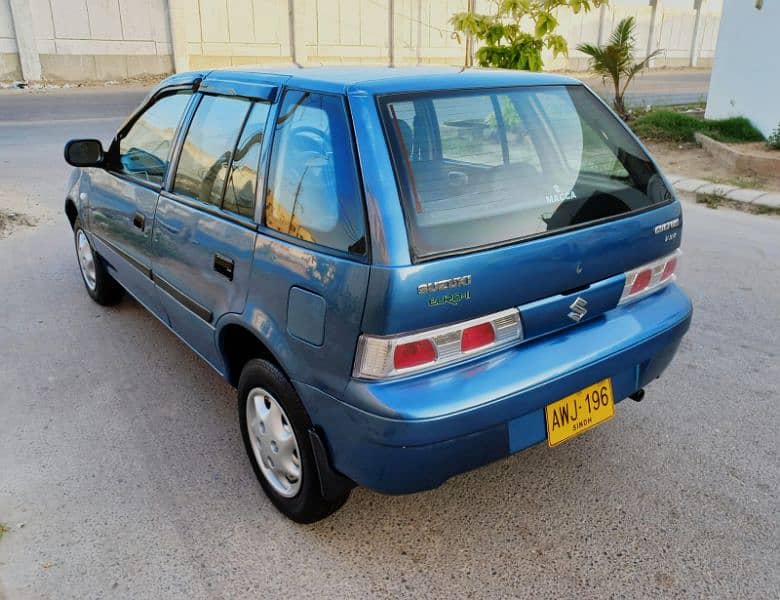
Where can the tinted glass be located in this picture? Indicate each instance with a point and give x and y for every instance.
(144, 149)
(313, 191)
(242, 181)
(208, 147)
(489, 166)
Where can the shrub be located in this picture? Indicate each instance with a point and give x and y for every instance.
(615, 61)
(505, 44)
(773, 141)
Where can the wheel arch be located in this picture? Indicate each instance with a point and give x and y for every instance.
(71, 211)
(238, 343)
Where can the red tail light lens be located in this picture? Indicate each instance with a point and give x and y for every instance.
(649, 278)
(414, 354)
(384, 357)
(477, 336)
(641, 281)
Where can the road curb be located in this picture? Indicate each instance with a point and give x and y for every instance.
(757, 198)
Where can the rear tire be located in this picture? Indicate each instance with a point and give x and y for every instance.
(101, 287)
(275, 426)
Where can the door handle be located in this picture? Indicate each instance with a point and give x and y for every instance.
(139, 220)
(224, 266)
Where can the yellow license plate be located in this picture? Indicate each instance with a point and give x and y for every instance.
(579, 412)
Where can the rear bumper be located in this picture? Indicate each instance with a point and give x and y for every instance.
(413, 434)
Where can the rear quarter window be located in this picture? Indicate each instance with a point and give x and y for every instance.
(313, 192)
(491, 166)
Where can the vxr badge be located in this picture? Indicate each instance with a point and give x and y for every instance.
(578, 310)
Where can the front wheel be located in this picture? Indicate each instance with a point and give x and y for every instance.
(101, 287)
(275, 429)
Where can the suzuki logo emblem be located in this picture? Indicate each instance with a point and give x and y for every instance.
(578, 310)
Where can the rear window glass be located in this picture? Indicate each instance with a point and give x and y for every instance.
(486, 167)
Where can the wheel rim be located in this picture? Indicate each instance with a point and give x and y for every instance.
(273, 442)
(86, 260)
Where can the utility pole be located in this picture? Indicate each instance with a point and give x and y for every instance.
(696, 26)
(651, 33)
(602, 21)
(391, 33)
(470, 38)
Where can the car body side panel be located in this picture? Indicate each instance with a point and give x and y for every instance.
(114, 203)
(342, 283)
(187, 243)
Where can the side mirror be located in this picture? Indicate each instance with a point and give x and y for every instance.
(84, 153)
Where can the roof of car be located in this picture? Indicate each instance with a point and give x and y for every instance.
(383, 80)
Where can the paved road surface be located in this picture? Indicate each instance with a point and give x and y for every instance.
(120, 451)
(674, 86)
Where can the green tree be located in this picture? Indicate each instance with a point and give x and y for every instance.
(505, 44)
(615, 60)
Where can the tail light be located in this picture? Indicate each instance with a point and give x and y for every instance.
(384, 357)
(649, 278)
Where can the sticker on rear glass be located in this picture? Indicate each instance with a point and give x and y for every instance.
(558, 196)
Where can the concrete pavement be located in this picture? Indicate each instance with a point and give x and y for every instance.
(121, 455)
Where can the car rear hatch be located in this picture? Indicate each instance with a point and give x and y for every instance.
(533, 201)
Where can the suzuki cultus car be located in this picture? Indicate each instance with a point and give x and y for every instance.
(405, 273)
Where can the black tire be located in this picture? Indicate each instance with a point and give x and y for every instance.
(106, 290)
(308, 505)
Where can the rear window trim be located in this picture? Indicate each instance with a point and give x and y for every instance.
(382, 101)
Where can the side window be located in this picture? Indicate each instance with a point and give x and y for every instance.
(144, 148)
(242, 180)
(208, 148)
(313, 190)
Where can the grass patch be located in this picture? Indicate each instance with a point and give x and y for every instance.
(715, 202)
(709, 200)
(3, 530)
(742, 181)
(664, 124)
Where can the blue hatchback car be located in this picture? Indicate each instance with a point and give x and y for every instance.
(406, 273)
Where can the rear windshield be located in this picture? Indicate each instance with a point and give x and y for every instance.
(486, 167)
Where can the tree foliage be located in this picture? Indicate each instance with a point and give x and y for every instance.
(508, 45)
(615, 60)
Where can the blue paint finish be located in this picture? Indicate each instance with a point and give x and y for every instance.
(309, 306)
(113, 203)
(527, 430)
(553, 366)
(306, 316)
(380, 434)
(342, 283)
(389, 245)
(516, 274)
(186, 242)
(550, 314)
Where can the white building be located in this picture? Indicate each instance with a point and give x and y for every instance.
(746, 75)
